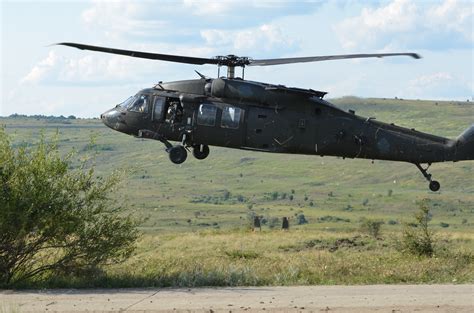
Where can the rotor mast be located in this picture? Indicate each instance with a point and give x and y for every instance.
(231, 61)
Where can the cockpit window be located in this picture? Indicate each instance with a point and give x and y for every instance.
(231, 117)
(127, 103)
(207, 115)
(141, 104)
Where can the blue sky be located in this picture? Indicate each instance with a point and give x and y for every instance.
(42, 79)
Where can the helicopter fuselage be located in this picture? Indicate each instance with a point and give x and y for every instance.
(241, 114)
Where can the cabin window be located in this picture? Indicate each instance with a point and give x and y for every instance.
(158, 108)
(140, 105)
(207, 115)
(231, 117)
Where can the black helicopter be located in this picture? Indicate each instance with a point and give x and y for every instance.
(236, 113)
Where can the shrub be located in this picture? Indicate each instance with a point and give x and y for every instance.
(274, 195)
(226, 195)
(240, 254)
(273, 222)
(371, 227)
(330, 218)
(301, 219)
(55, 220)
(417, 237)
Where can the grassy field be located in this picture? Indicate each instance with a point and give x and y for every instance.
(196, 215)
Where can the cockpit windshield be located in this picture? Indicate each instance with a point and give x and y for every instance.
(128, 103)
(137, 103)
(140, 104)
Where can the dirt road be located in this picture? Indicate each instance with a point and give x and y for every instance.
(377, 298)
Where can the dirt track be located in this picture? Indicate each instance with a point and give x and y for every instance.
(377, 298)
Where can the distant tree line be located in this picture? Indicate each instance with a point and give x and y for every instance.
(43, 117)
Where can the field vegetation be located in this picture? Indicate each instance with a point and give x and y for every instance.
(348, 218)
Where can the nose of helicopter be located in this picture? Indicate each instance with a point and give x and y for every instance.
(111, 118)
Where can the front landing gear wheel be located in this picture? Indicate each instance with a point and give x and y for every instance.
(177, 154)
(200, 152)
(434, 185)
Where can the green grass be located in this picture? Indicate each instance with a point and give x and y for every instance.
(298, 257)
(194, 215)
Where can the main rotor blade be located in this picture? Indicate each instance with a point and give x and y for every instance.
(266, 62)
(143, 55)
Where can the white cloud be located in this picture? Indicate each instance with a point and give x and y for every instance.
(213, 7)
(438, 85)
(118, 18)
(56, 69)
(431, 79)
(452, 15)
(173, 20)
(42, 69)
(236, 7)
(404, 23)
(398, 16)
(264, 38)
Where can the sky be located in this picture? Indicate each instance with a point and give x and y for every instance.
(40, 78)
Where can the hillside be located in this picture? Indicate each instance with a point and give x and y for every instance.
(196, 215)
(221, 189)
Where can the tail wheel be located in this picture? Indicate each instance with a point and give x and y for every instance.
(177, 154)
(200, 152)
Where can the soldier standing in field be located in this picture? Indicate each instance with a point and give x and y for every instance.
(256, 223)
(285, 224)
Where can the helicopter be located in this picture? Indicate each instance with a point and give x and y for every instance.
(236, 113)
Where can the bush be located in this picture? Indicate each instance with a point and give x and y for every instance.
(273, 222)
(274, 195)
(330, 219)
(301, 219)
(54, 220)
(417, 237)
(371, 227)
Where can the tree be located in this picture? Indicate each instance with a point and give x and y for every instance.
(417, 237)
(54, 219)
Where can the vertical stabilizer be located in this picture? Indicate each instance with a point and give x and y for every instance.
(464, 146)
